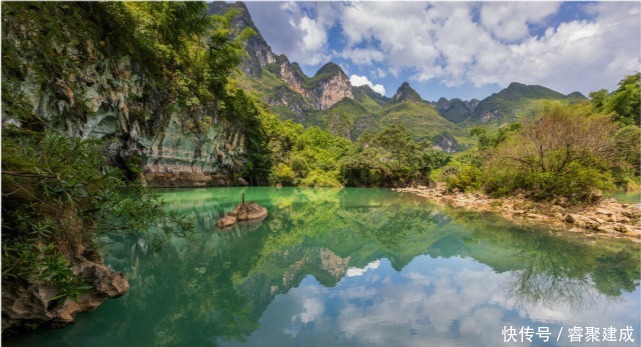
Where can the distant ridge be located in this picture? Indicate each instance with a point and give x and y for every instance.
(328, 100)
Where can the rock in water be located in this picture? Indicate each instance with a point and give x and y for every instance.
(226, 222)
(243, 212)
(26, 306)
(250, 211)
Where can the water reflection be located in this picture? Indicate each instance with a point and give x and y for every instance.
(354, 267)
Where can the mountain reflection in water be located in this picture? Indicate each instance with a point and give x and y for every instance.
(355, 267)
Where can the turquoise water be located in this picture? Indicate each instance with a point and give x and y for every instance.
(357, 267)
(628, 197)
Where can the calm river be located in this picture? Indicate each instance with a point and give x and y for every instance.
(361, 267)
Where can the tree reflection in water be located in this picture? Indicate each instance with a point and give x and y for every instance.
(216, 287)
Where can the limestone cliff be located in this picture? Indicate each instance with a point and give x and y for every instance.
(446, 143)
(291, 74)
(71, 71)
(111, 98)
(329, 86)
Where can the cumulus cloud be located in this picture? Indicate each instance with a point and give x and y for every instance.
(509, 20)
(356, 81)
(575, 55)
(476, 44)
(363, 56)
(297, 29)
(446, 42)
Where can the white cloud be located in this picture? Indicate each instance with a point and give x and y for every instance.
(299, 30)
(509, 20)
(474, 43)
(354, 271)
(381, 73)
(356, 81)
(363, 56)
(583, 55)
(313, 309)
(313, 40)
(444, 41)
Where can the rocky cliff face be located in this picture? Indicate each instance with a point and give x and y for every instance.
(329, 86)
(167, 145)
(446, 143)
(292, 77)
(259, 52)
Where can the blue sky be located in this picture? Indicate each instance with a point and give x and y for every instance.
(459, 49)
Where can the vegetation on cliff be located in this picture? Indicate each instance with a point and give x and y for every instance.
(62, 190)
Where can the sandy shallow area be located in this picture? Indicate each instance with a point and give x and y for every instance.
(608, 218)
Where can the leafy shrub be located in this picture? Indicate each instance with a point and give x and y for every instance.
(283, 174)
(461, 177)
(58, 193)
(390, 158)
(320, 178)
(565, 152)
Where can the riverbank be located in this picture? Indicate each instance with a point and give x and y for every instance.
(608, 218)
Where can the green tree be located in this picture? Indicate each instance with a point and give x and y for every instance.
(565, 152)
(599, 100)
(625, 101)
(491, 139)
(390, 158)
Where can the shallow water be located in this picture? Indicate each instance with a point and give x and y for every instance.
(628, 197)
(358, 267)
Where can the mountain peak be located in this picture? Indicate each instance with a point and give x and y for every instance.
(576, 95)
(259, 53)
(516, 85)
(405, 92)
(522, 91)
(329, 69)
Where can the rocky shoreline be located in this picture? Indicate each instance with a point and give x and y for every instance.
(608, 218)
(27, 306)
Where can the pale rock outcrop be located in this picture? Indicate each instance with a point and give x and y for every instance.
(26, 306)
